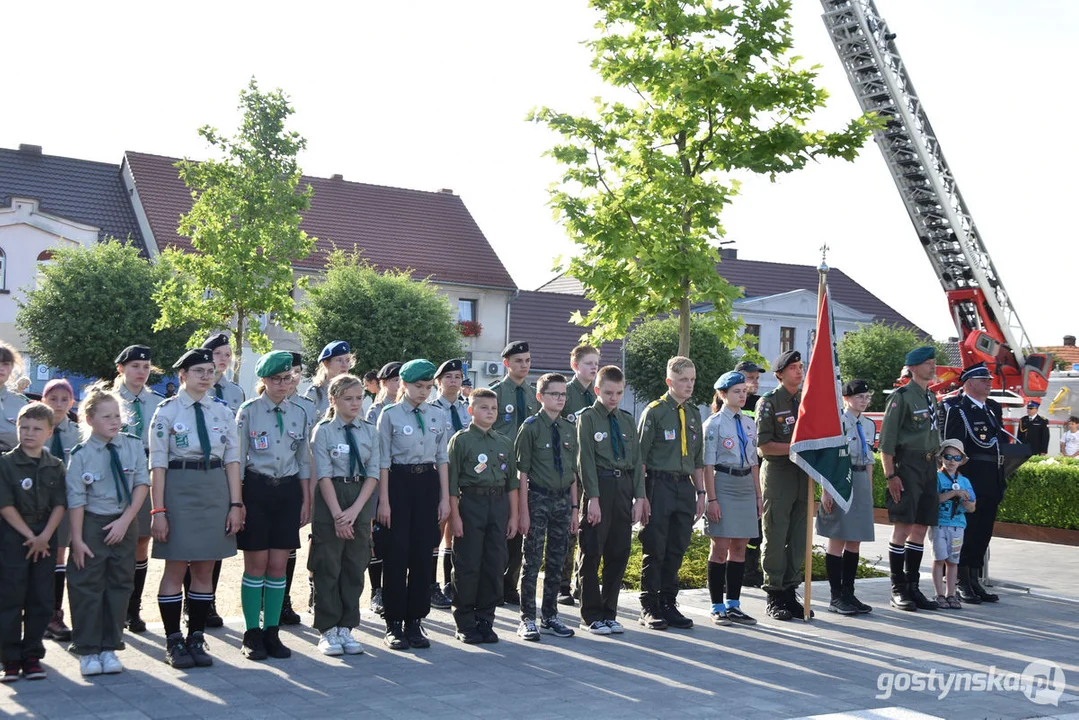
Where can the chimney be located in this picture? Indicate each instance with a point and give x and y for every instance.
(29, 149)
(1069, 341)
(446, 191)
(337, 176)
(728, 253)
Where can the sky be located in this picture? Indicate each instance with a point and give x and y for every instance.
(432, 95)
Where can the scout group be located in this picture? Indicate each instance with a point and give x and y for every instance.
(388, 468)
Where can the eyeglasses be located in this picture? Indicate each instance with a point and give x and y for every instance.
(279, 379)
(956, 458)
(201, 372)
(555, 395)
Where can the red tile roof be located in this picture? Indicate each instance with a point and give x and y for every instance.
(542, 319)
(1068, 354)
(391, 227)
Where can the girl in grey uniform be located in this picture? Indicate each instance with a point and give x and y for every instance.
(107, 481)
(60, 397)
(346, 452)
(195, 473)
(732, 484)
(288, 615)
(846, 531)
(335, 359)
(11, 366)
(389, 380)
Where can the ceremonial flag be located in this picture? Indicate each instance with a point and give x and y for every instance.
(819, 444)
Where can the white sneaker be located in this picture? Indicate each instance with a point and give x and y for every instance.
(596, 628)
(329, 643)
(90, 665)
(615, 627)
(349, 644)
(110, 664)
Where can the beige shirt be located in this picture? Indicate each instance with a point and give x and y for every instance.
(269, 447)
(331, 450)
(174, 435)
(90, 481)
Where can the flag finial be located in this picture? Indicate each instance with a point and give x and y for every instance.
(823, 258)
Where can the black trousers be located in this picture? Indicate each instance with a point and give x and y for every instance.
(666, 537)
(609, 542)
(479, 558)
(26, 595)
(515, 554)
(413, 531)
(988, 485)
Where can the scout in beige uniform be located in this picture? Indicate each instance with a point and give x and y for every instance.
(276, 496)
(448, 379)
(60, 397)
(195, 475)
(107, 480)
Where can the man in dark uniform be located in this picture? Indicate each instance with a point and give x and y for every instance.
(976, 420)
(752, 371)
(1034, 429)
(516, 401)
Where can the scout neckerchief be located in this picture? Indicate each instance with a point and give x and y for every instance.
(123, 495)
(556, 440)
(617, 447)
(218, 391)
(588, 396)
(742, 439)
(204, 437)
(419, 420)
(354, 460)
(682, 424)
(138, 415)
(520, 405)
(861, 436)
(280, 415)
(457, 425)
(57, 445)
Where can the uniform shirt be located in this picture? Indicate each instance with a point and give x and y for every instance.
(723, 446)
(400, 439)
(318, 396)
(952, 513)
(776, 414)
(481, 458)
(270, 449)
(462, 411)
(1034, 430)
(860, 454)
(308, 407)
(148, 400)
(506, 421)
(330, 448)
(578, 397)
(175, 434)
(597, 450)
(10, 405)
(910, 422)
(90, 481)
(70, 436)
(535, 455)
(33, 486)
(1070, 440)
(230, 392)
(661, 438)
(375, 410)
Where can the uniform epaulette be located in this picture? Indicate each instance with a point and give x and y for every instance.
(78, 447)
(770, 393)
(901, 389)
(530, 419)
(245, 403)
(220, 400)
(130, 435)
(325, 420)
(155, 392)
(168, 400)
(387, 406)
(654, 403)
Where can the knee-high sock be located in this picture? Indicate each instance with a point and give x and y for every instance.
(434, 566)
(290, 572)
(833, 567)
(896, 559)
(58, 586)
(251, 599)
(275, 596)
(169, 606)
(912, 560)
(850, 568)
(735, 572)
(717, 578)
(217, 575)
(447, 565)
(198, 607)
(134, 604)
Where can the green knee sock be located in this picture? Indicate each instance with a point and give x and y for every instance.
(275, 597)
(251, 599)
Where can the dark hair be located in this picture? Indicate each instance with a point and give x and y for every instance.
(610, 373)
(717, 402)
(546, 380)
(369, 376)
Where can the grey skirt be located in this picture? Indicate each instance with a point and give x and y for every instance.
(142, 519)
(198, 507)
(855, 525)
(737, 498)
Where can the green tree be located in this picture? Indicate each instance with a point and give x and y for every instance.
(384, 316)
(652, 343)
(91, 303)
(245, 229)
(875, 353)
(711, 90)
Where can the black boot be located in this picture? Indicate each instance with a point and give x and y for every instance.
(777, 606)
(272, 642)
(652, 613)
(288, 615)
(674, 616)
(395, 638)
(963, 588)
(901, 599)
(794, 603)
(976, 585)
(920, 600)
(253, 647)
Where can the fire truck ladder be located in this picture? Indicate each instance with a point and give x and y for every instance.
(980, 306)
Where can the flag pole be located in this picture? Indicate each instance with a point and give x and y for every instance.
(810, 505)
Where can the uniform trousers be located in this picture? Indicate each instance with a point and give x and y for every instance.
(609, 542)
(99, 592)
(988, 486)
(479, 556)
(338, 565)
(784, 489)
(26, 595)
(664, 540)
(548, 514)
(413, 531)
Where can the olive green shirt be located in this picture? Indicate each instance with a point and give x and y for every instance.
(33, 486)
(660, 433)
(597, 449)
(536, 451)
(777, 413)
(481, 458)
(910, 422)
(506, 420)
(578, 397)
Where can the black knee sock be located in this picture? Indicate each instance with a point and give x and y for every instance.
(434, 566)
(833, 567)
(717, 577)
(735, 572)
(169, 606)
(58, 586)
(135, 602)
(374, 572)
(850, 568)
(896, 557)
(198, 607)
(290, 572)
(912, 560)
(447, 566)
(217, 575)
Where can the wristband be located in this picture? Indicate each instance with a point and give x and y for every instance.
(574, 507)
(157, 511)
(701, 492)
(237, 505)
(714, 500)
(893, 475)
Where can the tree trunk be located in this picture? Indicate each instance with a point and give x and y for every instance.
(238, 349)
(683, 324)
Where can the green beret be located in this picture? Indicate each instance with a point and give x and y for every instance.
(274, 363)
(416, 370)
(917, 356)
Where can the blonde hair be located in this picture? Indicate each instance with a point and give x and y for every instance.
(338, 387)
(18, 365)
(321, 377)
(678, 365)
(97, 394)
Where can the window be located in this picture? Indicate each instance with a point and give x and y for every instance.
(3, 269)
(786, 339)
(466, 310)
(755, 331)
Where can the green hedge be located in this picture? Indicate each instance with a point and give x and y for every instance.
(1043, 492)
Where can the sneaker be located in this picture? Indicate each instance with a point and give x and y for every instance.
(416, 635)
(527, 631)
(288, 615)
(349, 644)
(134, 623)
(471, 636)
(842, 605)
(554, 626)
(329, 643)
(597, 628)
(720, 617)
(176, 652)
(447, 590)
(110, 664)
(253, 647)
(11, 672)
(615, 627)
(736, 616)
(56, 629)
(90, 665)
(196, 646)
(395, 638)
(213, 620)
(439, 601)
(652, 618)
(860, 606)
(276, 649)
(32, 670)
(566, 598)
(376, 602)
(674, 616)
(490, 637)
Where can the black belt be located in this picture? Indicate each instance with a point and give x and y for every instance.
(269, 479)
(860, 468)
(995, 459)
(736, 472)
(611, 473)
(417, 469)
(672, 477)
(483, 490)
(928, 457)
(194, 465)
(351, 480)
(548, 493)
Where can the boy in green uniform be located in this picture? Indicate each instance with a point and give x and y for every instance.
(546, 451)
(672, 447)
(609, 467)
(483, 513)
(33, 495)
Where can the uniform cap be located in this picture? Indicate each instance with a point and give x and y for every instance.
(788, 358)
(297, 359)
(1034, 404)
(450, 366)
(215, 341)
(416, 370)
(132, 352)
(198, 356)
(978, 370)
(57, 383)
(334, 349)
(729, 379)
(274, 363)
(389, 371)
(747, 366)
(919, 355)
(956, 444)
(855, 387)
(467, 382)
(515, 348)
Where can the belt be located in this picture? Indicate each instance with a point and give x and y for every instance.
(193, 465)
(664, 475)
(352, 479)
(997, 460)
(269, 479)
(483, 490)
(611, 473)
(417, 469)
(736, 472)
(860, 468)
(928, 457)
(548, 493)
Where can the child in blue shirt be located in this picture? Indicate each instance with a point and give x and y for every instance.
(956, 499)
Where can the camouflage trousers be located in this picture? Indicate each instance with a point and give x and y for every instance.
(549, 518)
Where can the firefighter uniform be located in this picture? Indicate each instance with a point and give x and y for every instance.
(1034, 429)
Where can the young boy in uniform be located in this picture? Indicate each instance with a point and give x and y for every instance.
(33, 495)
(609, 466)
(483, 514)
(546, 450)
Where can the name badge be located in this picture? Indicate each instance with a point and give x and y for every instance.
(669, 434)
(342, 449)
(480, 467)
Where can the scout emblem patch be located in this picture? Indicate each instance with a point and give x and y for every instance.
(669, 434)
(88, 478)
(27, 483)
(728, 443)
(509, 408)
(599, 436)
(482, 457)
(262, 442)
(179, 428)
(407, 429)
